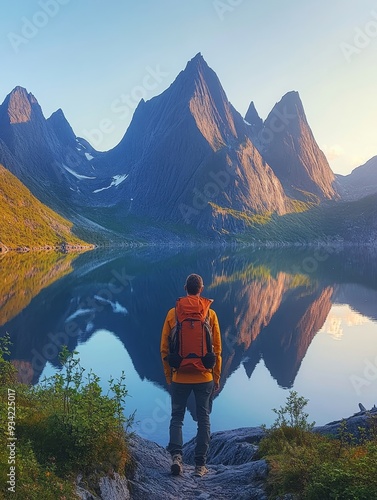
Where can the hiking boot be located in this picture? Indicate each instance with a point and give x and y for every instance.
(200, 470)
(176, 467)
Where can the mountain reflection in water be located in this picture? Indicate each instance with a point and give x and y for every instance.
(270, 304)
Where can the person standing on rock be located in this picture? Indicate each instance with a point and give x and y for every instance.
(191, 356)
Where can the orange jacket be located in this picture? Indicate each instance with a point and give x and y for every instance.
(196, 377)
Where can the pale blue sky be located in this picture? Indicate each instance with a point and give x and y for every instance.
(96, 58)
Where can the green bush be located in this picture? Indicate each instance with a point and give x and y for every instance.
(65, 426)
(316, 467)
(33, 481)
(7, 370)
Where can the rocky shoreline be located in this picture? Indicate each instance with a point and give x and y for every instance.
(235, 471)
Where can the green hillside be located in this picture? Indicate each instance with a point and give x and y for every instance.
(26, 222)
(354, 222)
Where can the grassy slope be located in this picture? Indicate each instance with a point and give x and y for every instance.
(349, 221)
(25, 221)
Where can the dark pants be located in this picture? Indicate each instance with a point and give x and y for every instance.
(179, 396)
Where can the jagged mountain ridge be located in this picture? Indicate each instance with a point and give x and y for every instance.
(187, 156)
(44, 153)
(361, 182)
(28, 137)
(189, 146)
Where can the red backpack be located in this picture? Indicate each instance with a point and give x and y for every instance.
(190, 340)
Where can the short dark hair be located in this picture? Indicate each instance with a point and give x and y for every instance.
(193, 284)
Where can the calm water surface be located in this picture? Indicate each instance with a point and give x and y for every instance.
(295, 319)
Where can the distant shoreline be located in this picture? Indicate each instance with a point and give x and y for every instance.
(268, 245)
(64, 248)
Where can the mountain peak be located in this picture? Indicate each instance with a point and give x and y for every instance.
(292, 95)
(62, 128)
(289, 113)
(292, 99)
(291, 104)
(253, 118)
(208, 103)
(197, 94)
(19, 105)
(197, 66)
(290, 148)
(22, 92)
(198, 58)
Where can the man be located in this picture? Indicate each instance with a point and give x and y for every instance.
(182, 382)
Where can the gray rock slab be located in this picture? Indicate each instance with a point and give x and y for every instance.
(152, 477)
(114, 488)
(231, 447)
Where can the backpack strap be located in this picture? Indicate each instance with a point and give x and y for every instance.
(209, 337)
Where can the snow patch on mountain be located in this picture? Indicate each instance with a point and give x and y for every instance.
(117, 179)
(78, 313)
(75, 174)
(116, 307)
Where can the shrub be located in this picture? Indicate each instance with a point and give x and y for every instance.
(7, 370)
(64, 426)
(316, 467)
(353, 476)
(33, 481)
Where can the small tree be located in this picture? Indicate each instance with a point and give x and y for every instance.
(292, 414)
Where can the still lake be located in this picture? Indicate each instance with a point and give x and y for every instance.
(301, 319)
